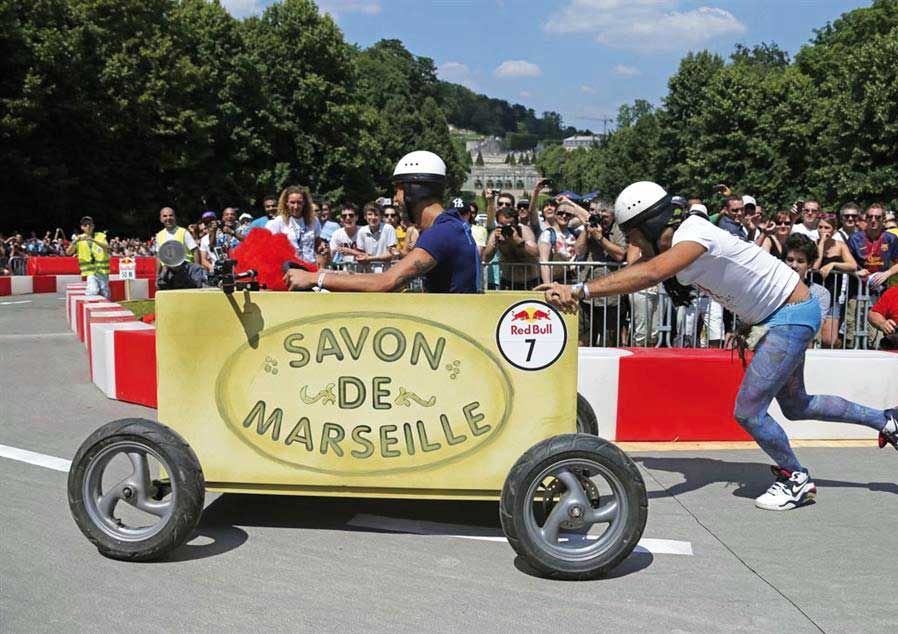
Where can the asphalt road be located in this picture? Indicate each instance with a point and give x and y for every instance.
(266, 563)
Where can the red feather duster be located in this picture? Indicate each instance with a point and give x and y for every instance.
(266, 253)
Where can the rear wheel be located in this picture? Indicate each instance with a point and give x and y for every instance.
(574, 506)
(116, 502)
(587, 422)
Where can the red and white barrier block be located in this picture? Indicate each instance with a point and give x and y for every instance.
(103, 317)
(141, 288)
(123, 361)
(689, 395)
(86, 308)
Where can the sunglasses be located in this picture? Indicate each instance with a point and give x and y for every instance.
(504, 204)
(874, 217)
(564, 214)
(783, 223)
(348, 216)
(851, 217)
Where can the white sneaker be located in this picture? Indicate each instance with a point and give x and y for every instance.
(791, 490)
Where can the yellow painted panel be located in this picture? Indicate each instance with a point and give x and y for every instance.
(375, 392)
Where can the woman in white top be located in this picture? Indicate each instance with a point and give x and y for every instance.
(296, 219)
(759, 289)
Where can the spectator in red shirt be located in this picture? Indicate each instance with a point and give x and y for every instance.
(884, 317)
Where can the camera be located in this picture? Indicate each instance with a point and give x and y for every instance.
(595, 220)
(508, 231)
(224, 277)
(496, 192)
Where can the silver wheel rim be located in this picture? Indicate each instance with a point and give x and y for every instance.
(575, 510)
(136, 489)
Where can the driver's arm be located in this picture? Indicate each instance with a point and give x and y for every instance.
(414, 265)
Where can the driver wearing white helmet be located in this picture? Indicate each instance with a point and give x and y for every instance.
(445, 254)
(762, 291)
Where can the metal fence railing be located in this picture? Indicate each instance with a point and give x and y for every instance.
(18, 265)
(650, 319)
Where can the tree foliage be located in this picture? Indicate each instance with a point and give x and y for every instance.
(117, 107)
(825, 125)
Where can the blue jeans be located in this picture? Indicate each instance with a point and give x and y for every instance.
(777, 371)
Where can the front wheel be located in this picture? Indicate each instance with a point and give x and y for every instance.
(116, 502)
(574, 506)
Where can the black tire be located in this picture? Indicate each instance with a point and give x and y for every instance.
(516, 504)
(587, 422)
(186, 488)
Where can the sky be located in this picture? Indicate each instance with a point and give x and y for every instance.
(581, 58)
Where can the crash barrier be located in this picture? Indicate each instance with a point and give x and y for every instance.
(649, 318)
(18, 265)
(637, 394)
(141, 288)
(68, 265)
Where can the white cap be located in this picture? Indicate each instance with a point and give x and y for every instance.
(420, 165)
(245, 215)
(699, 208)
(748, 200)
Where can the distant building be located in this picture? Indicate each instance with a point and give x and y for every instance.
(574, 142)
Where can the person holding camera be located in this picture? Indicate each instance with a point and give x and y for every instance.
(93, 257)
(516, 248)
(604, 243)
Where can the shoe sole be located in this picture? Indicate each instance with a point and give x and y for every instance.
(806, 498)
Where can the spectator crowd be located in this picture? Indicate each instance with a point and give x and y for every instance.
(847, 254)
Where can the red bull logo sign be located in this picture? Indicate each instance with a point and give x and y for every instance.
(531, 335)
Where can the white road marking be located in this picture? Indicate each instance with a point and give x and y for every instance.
(23, 301)
(461, 531)
(39, 459)
(38, 335)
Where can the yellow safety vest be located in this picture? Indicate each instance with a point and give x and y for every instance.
(180, 236)
(92, 259)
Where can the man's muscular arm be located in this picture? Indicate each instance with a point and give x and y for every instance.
(397, 277)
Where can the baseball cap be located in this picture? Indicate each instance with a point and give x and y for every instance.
(207, 215)
(523, 202)
(86, 220)
(698, 208)
(748, 200)
(245, 215)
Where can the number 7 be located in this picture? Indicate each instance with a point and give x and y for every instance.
(532, 343)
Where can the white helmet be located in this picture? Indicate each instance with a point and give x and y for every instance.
(420, 166)
(639, 202)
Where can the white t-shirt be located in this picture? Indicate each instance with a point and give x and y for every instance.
(376, 243)
(563, 249)
(341, 239)
(204, 249)
(740, 275)
(189, 242)
(302, 236)
(813, 234)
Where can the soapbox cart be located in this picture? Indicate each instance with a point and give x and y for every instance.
(467, 397)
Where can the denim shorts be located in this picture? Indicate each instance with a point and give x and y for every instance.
(806, 313)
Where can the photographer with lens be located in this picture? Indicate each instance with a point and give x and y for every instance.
(516, 247)
(603, 242)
